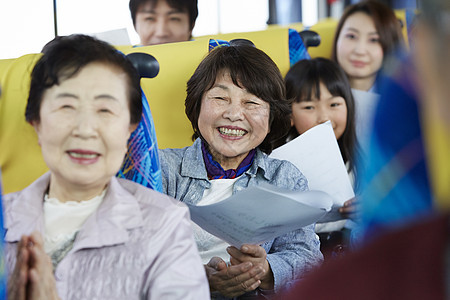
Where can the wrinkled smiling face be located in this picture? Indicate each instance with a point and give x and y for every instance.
(84, 127)
(232, 121)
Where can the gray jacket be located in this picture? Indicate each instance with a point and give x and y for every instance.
(138, 244)
(291, 255)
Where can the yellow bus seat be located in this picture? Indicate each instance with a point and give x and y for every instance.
(20, 158)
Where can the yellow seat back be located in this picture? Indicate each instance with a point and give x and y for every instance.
(21, 161)
(274, 42)
(326, 28)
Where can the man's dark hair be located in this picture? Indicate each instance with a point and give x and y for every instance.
(189, 6)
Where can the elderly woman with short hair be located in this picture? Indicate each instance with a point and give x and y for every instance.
(78, 232)
(236, 104)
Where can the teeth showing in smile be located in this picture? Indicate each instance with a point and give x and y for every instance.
(80, 155)
(231, 132)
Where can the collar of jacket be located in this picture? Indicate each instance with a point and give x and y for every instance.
(193, 165)
(108, 225)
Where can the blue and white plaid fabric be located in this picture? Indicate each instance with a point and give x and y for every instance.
(297, 49)
(141, 162)
(3, 277)
(213, 43)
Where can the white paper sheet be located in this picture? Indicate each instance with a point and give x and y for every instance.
(258, 214)
(117, 37)
(316, 154)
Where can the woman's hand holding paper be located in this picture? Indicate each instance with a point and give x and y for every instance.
(350, 209)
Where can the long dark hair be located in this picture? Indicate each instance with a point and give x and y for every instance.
(386, 24)
(303, 81)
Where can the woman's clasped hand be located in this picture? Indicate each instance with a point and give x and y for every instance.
(248, 270)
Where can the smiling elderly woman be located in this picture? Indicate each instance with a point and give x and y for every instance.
(108, 238)
(236, 104)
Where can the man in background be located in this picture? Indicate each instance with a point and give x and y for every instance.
(163, 21)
